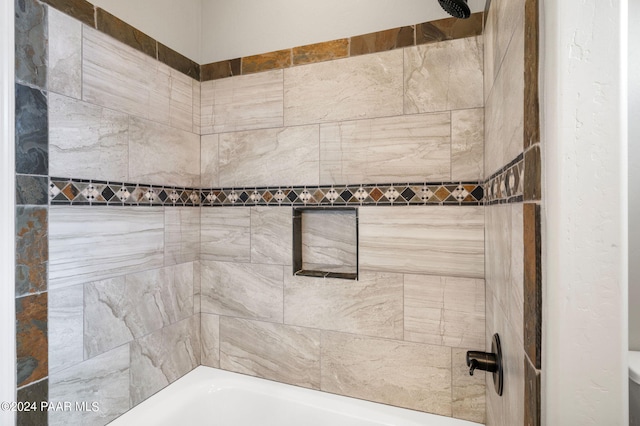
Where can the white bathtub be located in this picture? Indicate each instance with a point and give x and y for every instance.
(208, 396)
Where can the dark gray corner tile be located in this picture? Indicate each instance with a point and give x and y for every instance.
(32, 190)
(31, 42)
(32, 131)
(32, 397)
(222, 69)
(178, 62)
(32, 250)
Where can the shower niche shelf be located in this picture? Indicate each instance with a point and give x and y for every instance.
(325, 242)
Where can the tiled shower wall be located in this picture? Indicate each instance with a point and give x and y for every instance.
(124, 282)
(512, 170)
(412, 114)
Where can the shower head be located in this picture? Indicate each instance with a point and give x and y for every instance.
(456, 8)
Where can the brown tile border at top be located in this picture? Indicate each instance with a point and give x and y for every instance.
(395, 38)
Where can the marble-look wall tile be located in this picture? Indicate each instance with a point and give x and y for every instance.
(196, 107)
(103, 379)
(270, 157)
(467, 145)
(164, 356)
(507, 16)
(120, 309)
(387, 371)
(370, 306)
(181, 235)
(209, 145)
(87, 141)
(163, 155)
(469, 399)
(197, 288)
(329, 241)
(31, 43)
(225, 234)
(65, 54)
(242, 290)
(441, 240)
(366, 86)
(444, 311)
(66, 325)
(119, 77)
(504, 123)
(320, 52)
(119, 240)
(443, 76)
(33, 394)
(271, 235)
(413, 148)
(32, 250)
(271, 351)
(32, 131)
(31, 339)
(210, 336)
(33, 190)
(242, 103)
(505, 261)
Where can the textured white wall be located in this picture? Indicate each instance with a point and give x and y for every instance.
(585, 287)
(634, 177)
(173, 23)
(213, 30)
(7, 256)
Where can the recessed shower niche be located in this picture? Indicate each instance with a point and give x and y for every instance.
(325, 242)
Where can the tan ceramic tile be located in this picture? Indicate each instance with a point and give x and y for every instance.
(387, 371)
(226, 234)
(181, 235)
(362, 87)
(444, 311)
(371, 306)
(210, 337)
(271, 351)
(443, 76)
(209, 161)
(64, 70)
(469, 398)
(467, 145)
(329, 241)
(271, 235)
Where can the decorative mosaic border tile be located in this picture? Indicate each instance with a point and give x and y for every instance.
(506, 185)
(66, 191)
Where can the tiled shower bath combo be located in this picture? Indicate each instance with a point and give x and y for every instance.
(156, 202)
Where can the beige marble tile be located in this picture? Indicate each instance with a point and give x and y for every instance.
(226, 234)
(65, 327)
(271, 229)
(467, 145)
(196, 107)
(121, 309)
(87, 141)
(469, 397)
(119, 240)
(392, 372)
(119, 77)
(371, 306)
(365, 86)
(505, 109)
(509, 17)
(270, 157)
(103, 379)
(209, 161)
(197, 288)
(444, 311)
(181, 235)
(64, 70)
(210, 337)
(163, 155)
(242, 103)
(242, 290)
(439, 240)
(443, 76)
(330, 241)
(162, 357)
(271, 351)
(412, 148)
(489, 38)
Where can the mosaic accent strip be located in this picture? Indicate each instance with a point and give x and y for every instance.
(65, 191)
(507, 184)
